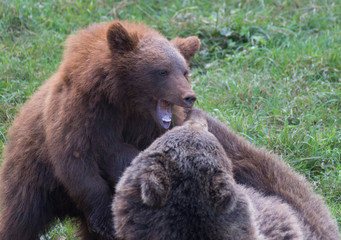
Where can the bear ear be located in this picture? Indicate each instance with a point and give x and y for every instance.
(197, 119)
(222, 192)
(187, 46)
(155, 183)
(119, 40)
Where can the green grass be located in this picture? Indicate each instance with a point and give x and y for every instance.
(269, 69)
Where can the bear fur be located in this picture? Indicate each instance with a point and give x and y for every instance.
(266, 173)
(182, 187)
(112, 95)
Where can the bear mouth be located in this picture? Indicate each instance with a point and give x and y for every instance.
(164, 113)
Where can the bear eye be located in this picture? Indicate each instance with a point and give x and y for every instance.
(163, 73)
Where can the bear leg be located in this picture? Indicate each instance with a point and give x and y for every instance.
(25, 216)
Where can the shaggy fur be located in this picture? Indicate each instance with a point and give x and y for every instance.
(182, 187)
(71, 141)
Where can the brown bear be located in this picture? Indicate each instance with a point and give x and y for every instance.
(182, 187)
(112, 95)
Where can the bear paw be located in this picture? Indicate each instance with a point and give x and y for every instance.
(102, 225)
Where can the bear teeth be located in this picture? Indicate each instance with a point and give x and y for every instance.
(166, 119)
(164, 113)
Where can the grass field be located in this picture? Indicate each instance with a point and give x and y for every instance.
(269, 69)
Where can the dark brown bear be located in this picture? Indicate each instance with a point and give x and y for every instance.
(112, 95)
(182, 188)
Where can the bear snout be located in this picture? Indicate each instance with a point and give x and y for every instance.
(189, 99)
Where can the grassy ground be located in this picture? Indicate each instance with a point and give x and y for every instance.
(270, 69)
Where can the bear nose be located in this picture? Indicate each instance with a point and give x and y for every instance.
(190, 99)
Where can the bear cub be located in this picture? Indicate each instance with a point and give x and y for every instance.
(182, 188)
(119, 86)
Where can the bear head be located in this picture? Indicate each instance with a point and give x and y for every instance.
(157, 69)
(132, 66)
(181, 188)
